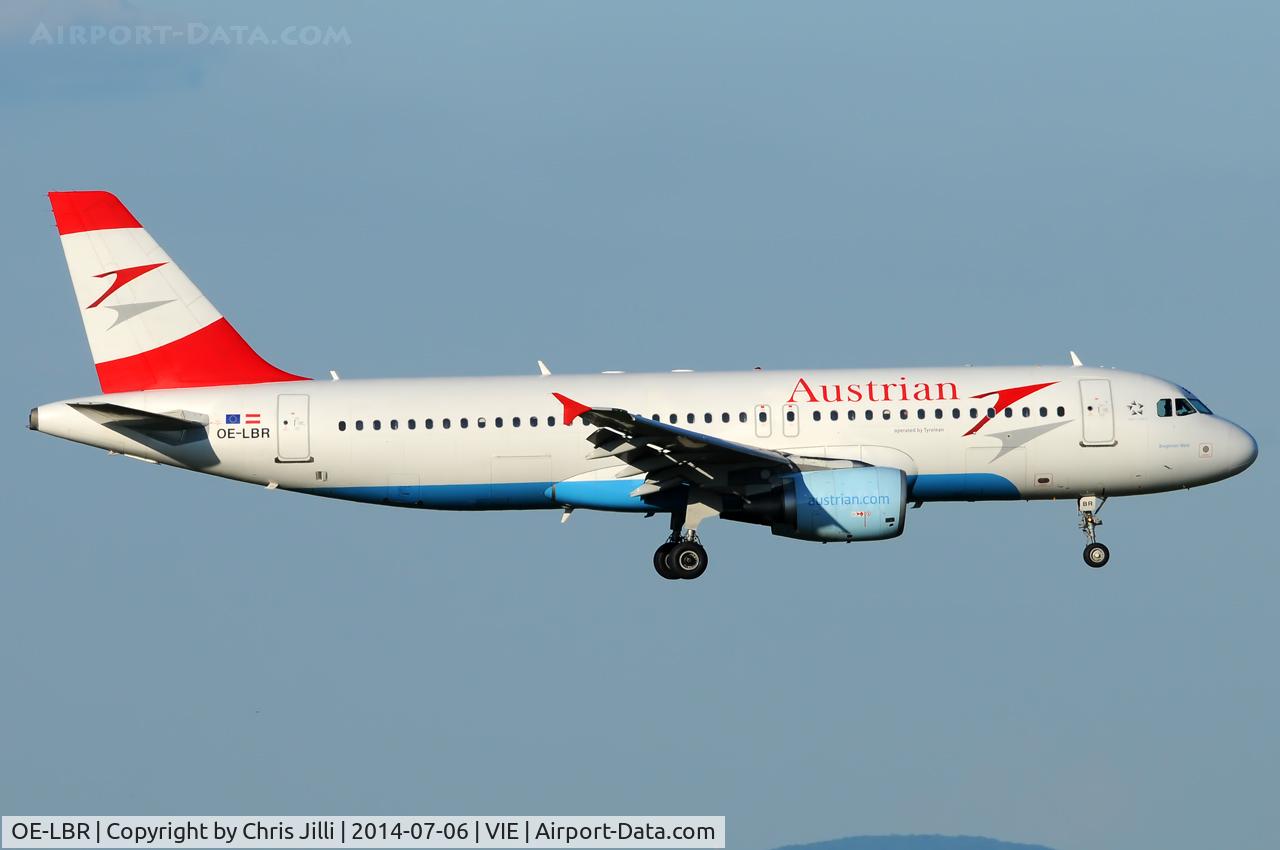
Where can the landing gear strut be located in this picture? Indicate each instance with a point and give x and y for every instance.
(1096, 555)
(682, 555)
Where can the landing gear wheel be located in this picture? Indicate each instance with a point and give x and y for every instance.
(660, 560)
(687, 560)
(1096, 555)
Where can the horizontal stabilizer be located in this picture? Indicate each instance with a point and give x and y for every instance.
(119, 416)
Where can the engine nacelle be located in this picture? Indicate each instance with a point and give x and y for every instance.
(833, 505)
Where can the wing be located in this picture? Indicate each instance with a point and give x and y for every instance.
(669, 456)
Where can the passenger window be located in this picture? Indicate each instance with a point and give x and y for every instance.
(742, 416)
(533, 422)
(991, 413)
(359, 424)
(1062, 411)
(724, 417)
(853, 414)
(428, 424)
(920, 413)
(551, 421)
(706, 417)
(764, 417)
(1008, 413)
(791, 416)
(955, 413)
(688, 417)
(342, 425)
(888, 414)
(497, 421)
(902, 414)
(1183, 407)
(480, 423)
(444, 423)
(817, 416)
(1044, 411)
(937, 413)
(674, 418)
(515, 421)
(377, 424)
(973, 413)
(835, 415)
(1026, 412)
(412, 424)
(462, 423)
(870, 414)
(395, 424)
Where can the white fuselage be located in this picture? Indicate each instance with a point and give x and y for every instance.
(1088, 431)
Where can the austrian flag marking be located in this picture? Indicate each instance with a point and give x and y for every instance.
(242, 426)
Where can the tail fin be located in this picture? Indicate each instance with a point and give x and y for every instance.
(149, 327)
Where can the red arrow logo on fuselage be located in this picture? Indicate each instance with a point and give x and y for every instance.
(572, 409)
(1004, 398)
(123, 276)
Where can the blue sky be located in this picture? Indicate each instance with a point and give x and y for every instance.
(467, 188)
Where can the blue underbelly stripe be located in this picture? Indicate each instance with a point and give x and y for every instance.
(615, 495)
(960, 487)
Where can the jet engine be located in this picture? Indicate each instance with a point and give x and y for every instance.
(831, 505)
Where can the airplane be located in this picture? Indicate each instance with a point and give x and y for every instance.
(828, 455)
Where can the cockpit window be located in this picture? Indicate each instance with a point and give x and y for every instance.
(1195, 403)
(1164, 407)
(1183, 407)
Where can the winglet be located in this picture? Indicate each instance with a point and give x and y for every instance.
(572, 409)
(1075, 359)
(542, 369)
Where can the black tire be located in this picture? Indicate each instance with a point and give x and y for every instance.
(660, 560)
(687, 560)
(1096, 555)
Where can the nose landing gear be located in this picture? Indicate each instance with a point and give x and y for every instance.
(1096, 554)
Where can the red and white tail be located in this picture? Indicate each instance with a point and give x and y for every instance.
(149, 327)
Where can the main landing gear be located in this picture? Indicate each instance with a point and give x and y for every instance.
(683, 555)
(681, 558)
(1096, 555)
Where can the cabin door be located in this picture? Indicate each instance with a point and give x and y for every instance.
(293, 439)
(1096, 418)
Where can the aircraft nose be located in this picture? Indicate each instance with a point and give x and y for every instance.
(1241, 449)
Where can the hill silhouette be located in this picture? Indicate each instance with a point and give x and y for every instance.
(914, 842)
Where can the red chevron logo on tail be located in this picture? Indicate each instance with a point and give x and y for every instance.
(123, 276)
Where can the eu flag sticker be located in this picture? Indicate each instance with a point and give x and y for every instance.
(233, 419)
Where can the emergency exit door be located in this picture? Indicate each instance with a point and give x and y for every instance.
(790, 420)
(293, 440)
(1096, 418)
(764, 427)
